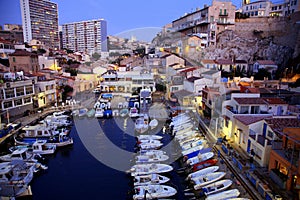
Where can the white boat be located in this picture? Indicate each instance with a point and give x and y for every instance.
(99, 113)
(186, 134)
(75, 113)
(150, 179)
(154, 168)
(42, 147)
(183, 126)
(153, 192)
(141, 124)
(153, 123)
(148, 146)
(151, 157)
(124, 112)
(15, 177)
(191, 150)
(149, 152)
(41, 130)
(58, 119)
(189, 140)
(202, 172)
(217, 187)
(193, 144)
(200, 158)
(21, 154)
(116, 113)
(149, 137)
(206, 179)
(225, 195)
(82, 112)
(91, 113)
(120, 105)
(238, 198)
(147, 141)
(133, 112)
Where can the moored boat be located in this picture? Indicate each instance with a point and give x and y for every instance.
(224, 195)
(217, 187)
(91, 113)
(200, 158)
(153, 123)
(142, 169)
(206, 179)
(204, 164)
(153, 192)
(204, 171)
(150, 179)
(149, 158)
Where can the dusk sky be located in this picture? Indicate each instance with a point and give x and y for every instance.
(120, 15)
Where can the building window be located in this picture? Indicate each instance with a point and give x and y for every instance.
(14, 59)
(15, 68)
(270, 134)
(220, 11)
(27, 100)
(7, 104)
(20, 91)
(9, 93)
(18, 102)
(29, 90)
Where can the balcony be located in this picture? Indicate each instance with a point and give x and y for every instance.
(223, 14)
(260, 139)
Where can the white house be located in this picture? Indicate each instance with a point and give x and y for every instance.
(269, 65)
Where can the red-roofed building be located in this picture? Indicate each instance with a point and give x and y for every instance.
(25, 61)
(269, 65)
(226, 65)
(209, 64)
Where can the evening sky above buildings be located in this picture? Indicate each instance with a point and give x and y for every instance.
(120, 15)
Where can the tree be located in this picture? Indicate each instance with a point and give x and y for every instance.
(261, 74)
(67, 92)
(96, 56)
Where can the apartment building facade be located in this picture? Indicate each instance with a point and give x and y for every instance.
(85, 36)
(40, 21)
(209, 20)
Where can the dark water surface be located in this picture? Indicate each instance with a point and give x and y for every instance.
(74, 173)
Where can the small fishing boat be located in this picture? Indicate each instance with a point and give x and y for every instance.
(124, 112)
(149, 137)
(133, 112)
(75, 113)
(153, 123)
(200, 158)
(202, 172)
(154, 168)
(204, 164)
(149, 158)
(153, 192)
(150, 179)
(43, 148)
(225, 195)
(22, 154)
(217, 187)
(91, 113)
(82, 112)
(15, 177)
(206, 179)
(99, 113)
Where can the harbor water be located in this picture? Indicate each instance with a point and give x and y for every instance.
(76, 173)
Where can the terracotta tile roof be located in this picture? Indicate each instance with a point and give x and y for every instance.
(274, 101)
(253, 100)
(266, 62)
(208, 61)
(189, 69)
(224, 62)
(22, 53)
(278, 124)
(240, 61)
(250, 119)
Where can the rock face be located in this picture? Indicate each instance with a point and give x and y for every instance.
(230, 45)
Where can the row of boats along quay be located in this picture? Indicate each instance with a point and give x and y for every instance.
(171, 156)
